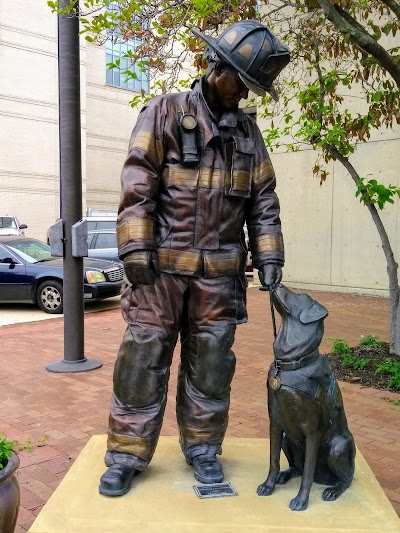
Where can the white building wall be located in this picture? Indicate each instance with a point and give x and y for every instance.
(110, 120)
(28, 110)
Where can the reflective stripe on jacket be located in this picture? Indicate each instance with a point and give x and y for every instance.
(193, 215)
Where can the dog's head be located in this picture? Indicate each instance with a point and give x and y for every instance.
(302, 326)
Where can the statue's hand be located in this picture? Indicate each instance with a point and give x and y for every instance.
(270, 275)
(141, 267)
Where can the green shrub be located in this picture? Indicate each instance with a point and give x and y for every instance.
(371, 340)
(342, 348)
(347, 358)
(392, 367)
(361, 362)
(6, 449)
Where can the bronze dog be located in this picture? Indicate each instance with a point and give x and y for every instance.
(307, 418)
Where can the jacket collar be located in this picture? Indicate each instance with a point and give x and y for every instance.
(229, 118)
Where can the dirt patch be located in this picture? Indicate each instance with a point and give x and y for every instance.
(367, 375)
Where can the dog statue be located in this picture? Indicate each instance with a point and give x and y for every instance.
(307, 418)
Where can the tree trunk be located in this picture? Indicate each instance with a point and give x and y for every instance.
(394, 310)
(392, 266)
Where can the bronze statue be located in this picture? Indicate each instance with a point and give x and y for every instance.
(196, 171)
(307, 418)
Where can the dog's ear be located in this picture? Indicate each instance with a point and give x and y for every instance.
(314, 312)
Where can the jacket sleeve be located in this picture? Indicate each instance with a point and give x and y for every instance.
(263, 222)
(140, 181)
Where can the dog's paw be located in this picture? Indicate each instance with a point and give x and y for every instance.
(265, 490)
(298, 504)
(285, 475)
(331, 494)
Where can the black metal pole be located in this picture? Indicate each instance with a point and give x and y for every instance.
(71, 193)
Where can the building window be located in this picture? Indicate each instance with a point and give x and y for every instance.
(119, 52)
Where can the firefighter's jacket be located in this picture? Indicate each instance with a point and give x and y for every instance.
(193, 214)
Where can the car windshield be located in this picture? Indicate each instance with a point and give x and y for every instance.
(7, 222)
(30, 250)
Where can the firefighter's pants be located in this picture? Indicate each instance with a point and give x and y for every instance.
(204, 312)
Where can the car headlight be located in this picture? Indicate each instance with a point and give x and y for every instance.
(94, 276)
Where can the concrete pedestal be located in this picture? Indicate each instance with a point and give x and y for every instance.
(162, 499)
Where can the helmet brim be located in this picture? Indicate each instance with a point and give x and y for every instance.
(256, 89)
(252, 87)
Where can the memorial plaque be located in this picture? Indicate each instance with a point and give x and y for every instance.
(215, 490)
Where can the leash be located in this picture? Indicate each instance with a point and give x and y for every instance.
(274, 381)
(271, 305)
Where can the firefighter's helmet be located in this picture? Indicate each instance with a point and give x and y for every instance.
(254, 51)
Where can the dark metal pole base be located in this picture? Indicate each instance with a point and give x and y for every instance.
(83, 365)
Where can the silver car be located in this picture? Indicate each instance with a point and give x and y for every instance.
(102, 244)
(10, 225)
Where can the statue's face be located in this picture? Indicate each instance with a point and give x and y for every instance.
(230, 89)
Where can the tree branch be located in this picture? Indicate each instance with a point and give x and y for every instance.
(361, 38)
(393, 5)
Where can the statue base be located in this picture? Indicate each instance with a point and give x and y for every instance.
(162, 498)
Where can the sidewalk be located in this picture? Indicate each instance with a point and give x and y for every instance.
(70, 408)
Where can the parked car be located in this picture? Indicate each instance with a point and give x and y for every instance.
(102, 244)
(29, 274)
(10, 225)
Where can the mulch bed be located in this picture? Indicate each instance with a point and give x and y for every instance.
(367, 376)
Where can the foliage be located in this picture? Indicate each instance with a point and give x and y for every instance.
(371, 340)
(392, 367)
(347, 356)
(346, 54)
(342, 348)
(6, 449)
(372, 192)
(160, 30)
(333, 72)
(8, 446)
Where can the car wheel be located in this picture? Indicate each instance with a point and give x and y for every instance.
(49, 297)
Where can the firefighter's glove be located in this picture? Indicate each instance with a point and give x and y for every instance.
(270, 275)
(141, 267)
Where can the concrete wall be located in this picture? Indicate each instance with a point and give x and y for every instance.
(331, 241)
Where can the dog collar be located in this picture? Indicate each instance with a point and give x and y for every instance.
(299, 363)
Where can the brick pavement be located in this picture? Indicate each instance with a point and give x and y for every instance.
(70, 408)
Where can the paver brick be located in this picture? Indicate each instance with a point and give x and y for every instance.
(28, 499)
